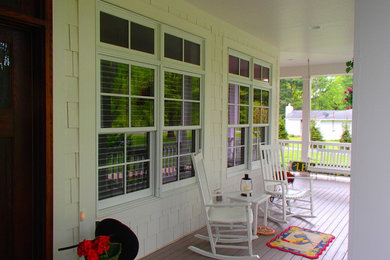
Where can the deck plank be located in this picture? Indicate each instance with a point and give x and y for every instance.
(331, 203)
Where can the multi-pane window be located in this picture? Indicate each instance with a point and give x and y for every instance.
(126, 101)
(238, 66)
(116, 30)
(260, 120)
(181, 111)
(248, 109)
(148, 126)
(181, 49)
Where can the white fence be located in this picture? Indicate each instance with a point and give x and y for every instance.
(327, 157)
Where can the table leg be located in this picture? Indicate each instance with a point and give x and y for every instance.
(266, 213)
(255, 216)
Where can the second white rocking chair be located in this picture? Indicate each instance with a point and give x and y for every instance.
(287, 202)
(227, 223)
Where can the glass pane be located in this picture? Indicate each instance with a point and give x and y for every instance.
(233, 93)
(244, 115)
(265, 75)
(191, 52)
(191, 113)
(114, 30)
(233, 64)
(137, 177)
(265, 98)
(137, 146)
(255, 152)
(231, 137)
(173, 47)
(233, 115)
(240, 136)
(111, 149)
(230, 157)
(142, 112)
(114, 112)
(187, 141)
(264, 135)
(256, 97)
(111, 182)
(114, 77)
(172, 113)
(256, 135)
(142, 81)
(257, 71)
(244, 68)
(244, 95)
(264, 116)
(186, 168)
(256, 115)
(142, 38)
(170, 143)
(169, 170)
(5, 76)
(173, 85)
(191, 88)
(239, 156)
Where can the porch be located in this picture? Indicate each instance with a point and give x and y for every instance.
(331, 202)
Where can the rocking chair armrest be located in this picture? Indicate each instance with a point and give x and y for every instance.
(228, 205)
(302, 177)
(275, 182)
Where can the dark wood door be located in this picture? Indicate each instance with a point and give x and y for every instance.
(22, 175)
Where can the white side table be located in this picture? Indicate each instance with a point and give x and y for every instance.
(256, 200)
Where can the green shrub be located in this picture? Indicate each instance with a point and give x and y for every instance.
(346, 136)
(315, 133)
(283, 135)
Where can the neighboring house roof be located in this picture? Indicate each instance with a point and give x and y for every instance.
(323, 114)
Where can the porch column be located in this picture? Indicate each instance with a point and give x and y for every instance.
(306, 105)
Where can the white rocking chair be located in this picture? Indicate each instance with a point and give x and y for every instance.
(287, 202)
(227, 223)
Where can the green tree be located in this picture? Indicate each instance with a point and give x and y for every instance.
(315, 133)
(291, 91)
(346, 136)
(328, 92)
(282, 129)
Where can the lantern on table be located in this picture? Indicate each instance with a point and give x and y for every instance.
(246, 185)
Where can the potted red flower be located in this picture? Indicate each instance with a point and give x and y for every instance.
(99, 248)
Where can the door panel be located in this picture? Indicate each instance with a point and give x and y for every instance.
(18, 191)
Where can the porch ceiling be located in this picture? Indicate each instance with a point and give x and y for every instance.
(321, 30)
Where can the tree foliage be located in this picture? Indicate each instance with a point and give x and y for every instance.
(328, 92)
(291, 92)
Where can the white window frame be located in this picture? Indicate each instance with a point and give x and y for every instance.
(160, 64)
(252, 83)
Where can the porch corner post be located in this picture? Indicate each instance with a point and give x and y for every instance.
(306, 104)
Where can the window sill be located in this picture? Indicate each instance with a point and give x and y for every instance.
(172, 192)
(110, 211)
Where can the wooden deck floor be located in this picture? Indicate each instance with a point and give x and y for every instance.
(331, 202)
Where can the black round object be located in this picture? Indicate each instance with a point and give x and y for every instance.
(119, 233)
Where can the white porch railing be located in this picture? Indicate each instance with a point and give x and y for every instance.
(327, 157)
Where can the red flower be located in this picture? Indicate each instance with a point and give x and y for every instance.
(84, 247)
(92, 255)
(100, 244)
(92, 249)
(345, 92)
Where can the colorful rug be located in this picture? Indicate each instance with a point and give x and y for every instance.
(301, 241)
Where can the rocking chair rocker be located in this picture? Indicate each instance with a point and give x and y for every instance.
(227, 223)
